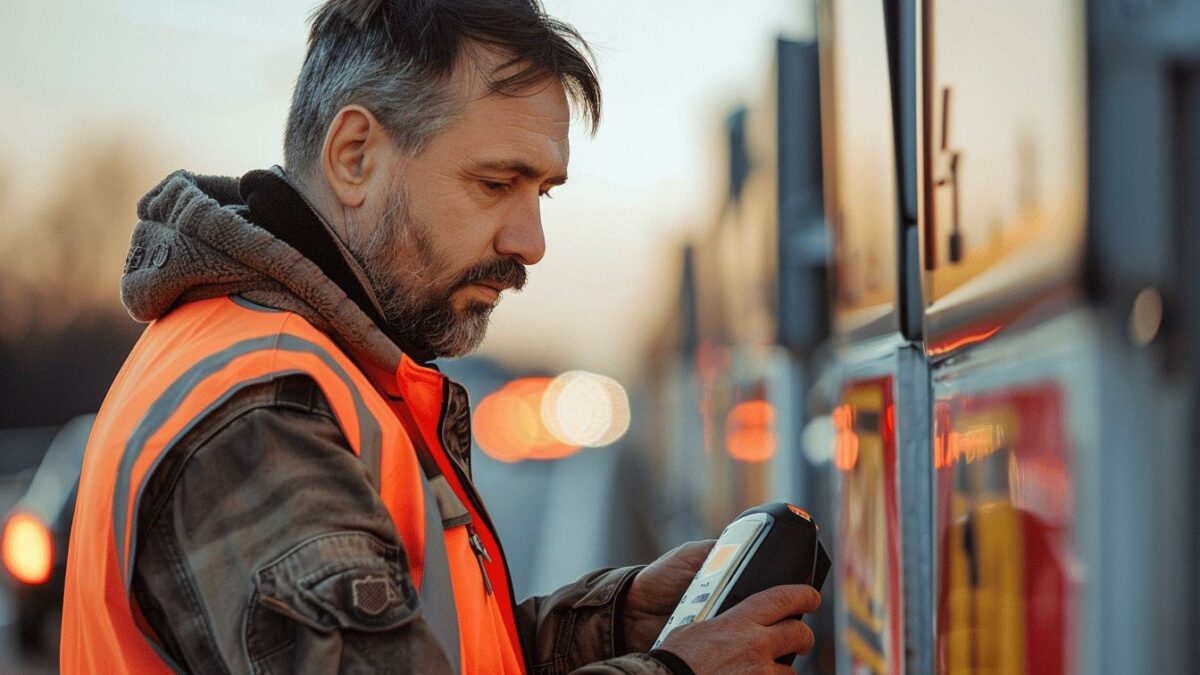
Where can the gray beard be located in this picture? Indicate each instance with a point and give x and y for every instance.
(402, 267)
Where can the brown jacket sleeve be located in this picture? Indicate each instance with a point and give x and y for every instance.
(577, 629)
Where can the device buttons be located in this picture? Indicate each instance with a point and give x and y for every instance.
(701, 598)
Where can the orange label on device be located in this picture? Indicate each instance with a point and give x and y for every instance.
(799, 511)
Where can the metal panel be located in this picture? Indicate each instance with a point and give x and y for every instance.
(900, 17)
(859, 170)
(1015, 436)
(803, 242)
(916, 506)
(865, 527)
(1003, 156)
(1144, 164)
(1187, 107)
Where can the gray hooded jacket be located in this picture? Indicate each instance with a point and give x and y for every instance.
(270, 470)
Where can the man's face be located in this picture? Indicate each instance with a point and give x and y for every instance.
(462, 219)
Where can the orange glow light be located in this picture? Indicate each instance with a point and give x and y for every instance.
(845, 448)
(961, 340)
(799, 511)
(750, 431)
(28, 550)
(508, 424)
(977, 442)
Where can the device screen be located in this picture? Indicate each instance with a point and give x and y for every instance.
(708, 587)
(719, 559)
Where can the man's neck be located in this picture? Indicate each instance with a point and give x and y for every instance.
(278, 206)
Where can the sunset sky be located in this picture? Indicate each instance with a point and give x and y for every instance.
(205, 84)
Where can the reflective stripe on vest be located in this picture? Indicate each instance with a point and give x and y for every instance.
(437, 590)
(186, 365)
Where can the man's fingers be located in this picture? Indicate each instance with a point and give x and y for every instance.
(781, 602)
(694, 552)
(790, 636)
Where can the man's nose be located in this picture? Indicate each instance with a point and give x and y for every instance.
(521, 236)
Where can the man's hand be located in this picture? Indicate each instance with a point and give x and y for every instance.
(749, 636)
(657, 589)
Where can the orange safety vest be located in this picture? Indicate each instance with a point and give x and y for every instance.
(189, 362)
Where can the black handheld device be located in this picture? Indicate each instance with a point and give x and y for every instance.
(766, 546)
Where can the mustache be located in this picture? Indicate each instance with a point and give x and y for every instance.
(504, 271)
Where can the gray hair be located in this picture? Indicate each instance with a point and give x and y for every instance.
(395, 57)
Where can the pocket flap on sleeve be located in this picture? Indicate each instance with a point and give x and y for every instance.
(341, 580)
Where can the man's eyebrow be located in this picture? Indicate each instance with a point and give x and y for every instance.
(522, 168)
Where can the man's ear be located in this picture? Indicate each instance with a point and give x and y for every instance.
(353, 150)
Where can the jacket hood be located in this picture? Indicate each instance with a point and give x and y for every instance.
(196, 238)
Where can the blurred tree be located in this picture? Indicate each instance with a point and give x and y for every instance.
(63, 332)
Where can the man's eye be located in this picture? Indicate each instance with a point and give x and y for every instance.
(495, 186)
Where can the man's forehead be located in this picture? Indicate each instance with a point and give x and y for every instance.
(524, 131)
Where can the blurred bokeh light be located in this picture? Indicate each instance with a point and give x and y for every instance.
(551, 418)
(750, 431)
(582, 408)
(509, 427)
(28, 551)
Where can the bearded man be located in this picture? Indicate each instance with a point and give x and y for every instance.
(278, 481)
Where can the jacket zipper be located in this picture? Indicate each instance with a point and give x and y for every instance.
(473, 497)
(481, 554)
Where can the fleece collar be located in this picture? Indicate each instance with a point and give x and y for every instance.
(209, 236)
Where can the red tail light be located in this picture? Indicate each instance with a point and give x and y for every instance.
(27, 549)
